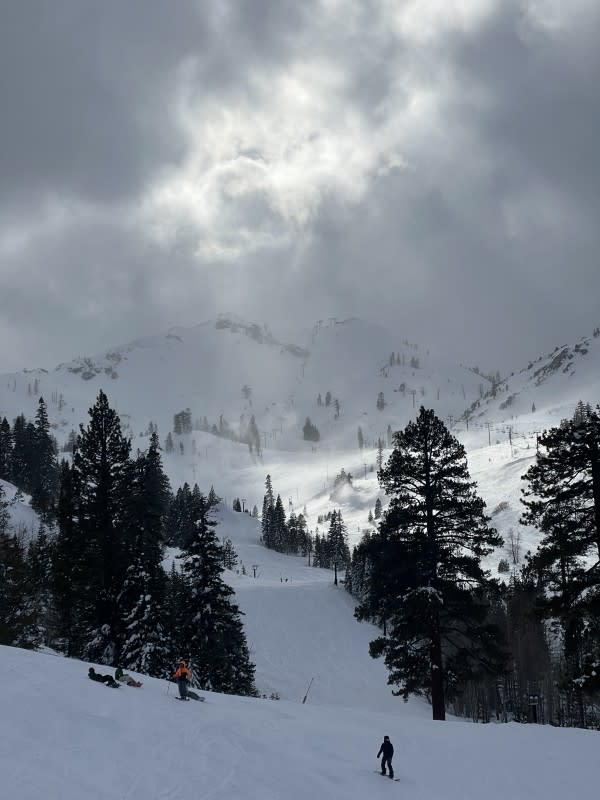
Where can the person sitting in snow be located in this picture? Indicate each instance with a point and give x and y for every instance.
(182, 676)
(387, 750)
(123, 678)
(107, 679)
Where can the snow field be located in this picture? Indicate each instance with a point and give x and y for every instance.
(64, 737)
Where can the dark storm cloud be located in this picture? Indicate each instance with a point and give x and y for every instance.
(429, 164)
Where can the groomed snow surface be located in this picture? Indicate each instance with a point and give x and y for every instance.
(64, 737)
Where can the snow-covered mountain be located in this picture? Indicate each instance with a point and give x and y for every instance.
(232, 367)
(227, 369)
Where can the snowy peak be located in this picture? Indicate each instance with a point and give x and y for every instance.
(553, 384)
(259, 334)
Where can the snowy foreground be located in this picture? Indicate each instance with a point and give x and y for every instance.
(65, 737)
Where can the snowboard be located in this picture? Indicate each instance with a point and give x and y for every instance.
(378, 772)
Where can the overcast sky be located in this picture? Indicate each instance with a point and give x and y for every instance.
(431, 164)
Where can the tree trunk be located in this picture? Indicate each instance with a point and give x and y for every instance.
(438, 704)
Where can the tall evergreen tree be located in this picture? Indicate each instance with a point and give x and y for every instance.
(101, 466)
(142, 598)
(210, 623)
(70, 569)
(562, 500)
(339, 554)
(23, 453)
(5, 449)
(17, 613)
(44, 478)
(432, 539)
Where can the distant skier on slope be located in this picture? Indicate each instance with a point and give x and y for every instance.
(182, 676)
(107, 679)
(387, 750)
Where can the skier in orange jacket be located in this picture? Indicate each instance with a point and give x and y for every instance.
(182, 676)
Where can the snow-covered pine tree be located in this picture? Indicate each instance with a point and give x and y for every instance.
(337, 540)
(72, 601)
(267, 514)
(563, 501)
(430, 581)
(44, 477)
(210, 622)
(142, 598)
(279, 532)
(101, 463)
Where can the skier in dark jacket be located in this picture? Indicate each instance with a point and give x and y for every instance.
(107, 679)
(387, 750)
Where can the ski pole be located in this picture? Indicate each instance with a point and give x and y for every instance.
(307, 691)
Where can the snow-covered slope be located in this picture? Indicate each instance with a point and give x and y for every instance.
(63, 736)
(23, 520)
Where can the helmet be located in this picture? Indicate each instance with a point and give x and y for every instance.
(91, 669)
(386, 738)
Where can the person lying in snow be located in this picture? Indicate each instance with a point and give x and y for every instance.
(107, 679)
(123, 678)
(387, 750)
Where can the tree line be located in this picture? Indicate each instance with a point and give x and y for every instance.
(291, 536)
(529, 650)
(93, 585)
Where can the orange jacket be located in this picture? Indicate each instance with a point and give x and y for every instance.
(182, 672)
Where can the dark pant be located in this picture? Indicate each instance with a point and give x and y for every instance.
(182, 684)
(387, 761)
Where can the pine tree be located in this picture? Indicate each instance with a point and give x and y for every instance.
(427, 556)
(17, 614)
(23, 454)
(142, 598)
(44, 478)
(101, 464)
(361, 441)
(211, 625)
(377, 513)
(39, 583)
(379, 454)
(4, 512)
(337, 541)
(5, 449)
(169, 446)
(279, 528)
(310, 431)
(230, 558)
(562, 500)
(267, 514)
(70, 569)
